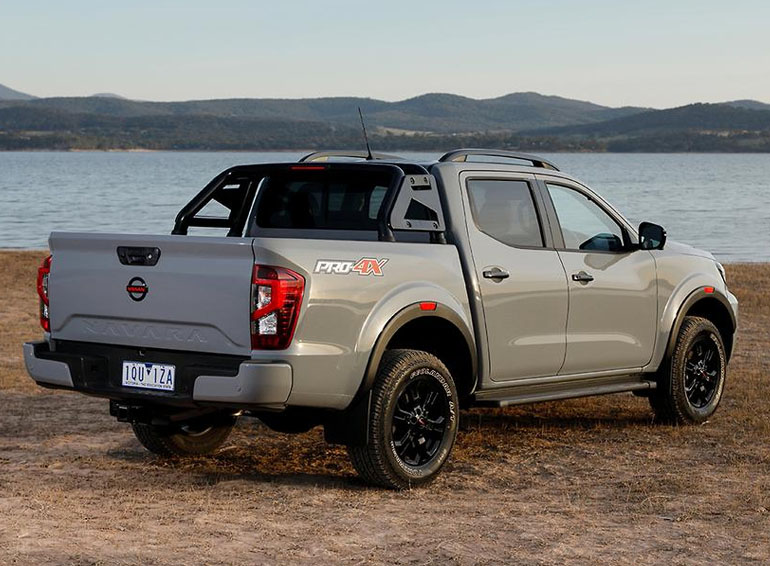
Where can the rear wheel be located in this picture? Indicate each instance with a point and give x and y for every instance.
(691, 382)
(412, 422)
(187, 439)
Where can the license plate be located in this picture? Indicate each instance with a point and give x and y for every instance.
(148, 375)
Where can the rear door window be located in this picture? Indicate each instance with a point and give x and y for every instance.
(505, 210)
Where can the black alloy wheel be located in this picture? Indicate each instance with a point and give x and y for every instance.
(701, 371)
(412, 421)
(420, 421)
(691, 381)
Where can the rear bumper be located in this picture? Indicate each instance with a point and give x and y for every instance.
(254, 384)
(46, 372)
(201, 379)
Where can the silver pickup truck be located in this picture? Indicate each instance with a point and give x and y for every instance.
(377, 297)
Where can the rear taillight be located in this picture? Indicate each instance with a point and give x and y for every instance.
(276, 295)
(43, 272)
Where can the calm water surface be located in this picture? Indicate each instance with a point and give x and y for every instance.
(719, 202)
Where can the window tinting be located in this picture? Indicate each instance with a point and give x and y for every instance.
(375, 201)
(505, 210)
(322, 201)
(584, 225)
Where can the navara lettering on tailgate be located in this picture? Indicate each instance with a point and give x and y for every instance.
(144, 331)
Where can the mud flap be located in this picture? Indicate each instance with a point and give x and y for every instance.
(351, 426)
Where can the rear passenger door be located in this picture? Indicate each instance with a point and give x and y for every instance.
(612, 287)
(522, 283)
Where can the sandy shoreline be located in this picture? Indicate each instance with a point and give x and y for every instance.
(580, 482)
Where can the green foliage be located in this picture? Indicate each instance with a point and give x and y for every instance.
(442, 113)
(247, 124)
(707, 118)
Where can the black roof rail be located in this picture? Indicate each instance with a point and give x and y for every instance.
(462, 155)
(325, 155)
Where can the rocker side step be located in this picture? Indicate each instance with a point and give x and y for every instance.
(548, 390)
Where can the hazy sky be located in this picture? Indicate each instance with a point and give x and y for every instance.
(645, 53)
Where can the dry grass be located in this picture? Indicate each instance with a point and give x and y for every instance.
(18, 315)
(589, 481)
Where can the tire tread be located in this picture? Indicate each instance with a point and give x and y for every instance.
(668, 400)
(168, 443)
(370, 460)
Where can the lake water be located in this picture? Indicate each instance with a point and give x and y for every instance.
(719, 202)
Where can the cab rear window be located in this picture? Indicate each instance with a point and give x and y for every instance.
(321, 200)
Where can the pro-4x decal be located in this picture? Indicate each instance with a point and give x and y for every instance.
(363, 266)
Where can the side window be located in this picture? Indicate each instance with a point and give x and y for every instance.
(375, 201)
(505, 211)
(584, 225)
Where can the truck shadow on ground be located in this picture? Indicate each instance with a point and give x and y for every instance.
(256, 454)
(577, 417)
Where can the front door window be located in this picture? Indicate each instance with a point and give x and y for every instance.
(584, 225)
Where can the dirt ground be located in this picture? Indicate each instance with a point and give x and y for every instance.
(590, 481)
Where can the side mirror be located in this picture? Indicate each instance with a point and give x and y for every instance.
(651, 236)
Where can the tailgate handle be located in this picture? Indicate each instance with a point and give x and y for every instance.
(138, 256)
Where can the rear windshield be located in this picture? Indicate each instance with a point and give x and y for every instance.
(321, 200)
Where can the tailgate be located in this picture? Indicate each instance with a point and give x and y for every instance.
(196, 297)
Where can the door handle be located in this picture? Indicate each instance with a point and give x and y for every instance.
(582, 277)
(496, 274)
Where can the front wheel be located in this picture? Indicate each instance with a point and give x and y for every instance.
(412, 422)
(692, 380)
(187, 439)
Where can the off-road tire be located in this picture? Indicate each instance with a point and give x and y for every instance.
(197, 440)
(401, 373)
(669, 401)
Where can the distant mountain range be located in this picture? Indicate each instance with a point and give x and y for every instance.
(439, 113)
(525, 120)
(108, 95)
(10, 94)
(694, 117)
(749, 104)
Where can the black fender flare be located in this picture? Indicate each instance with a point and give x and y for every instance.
(684, 308)
(401, 318)
(351, 425)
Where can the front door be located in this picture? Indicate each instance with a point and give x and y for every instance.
(612, 290)
(521, 279)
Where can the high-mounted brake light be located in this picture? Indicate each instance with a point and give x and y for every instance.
(276, 296)
(43, 272)
(307, 167)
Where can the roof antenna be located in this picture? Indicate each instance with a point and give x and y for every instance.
(369, 156)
